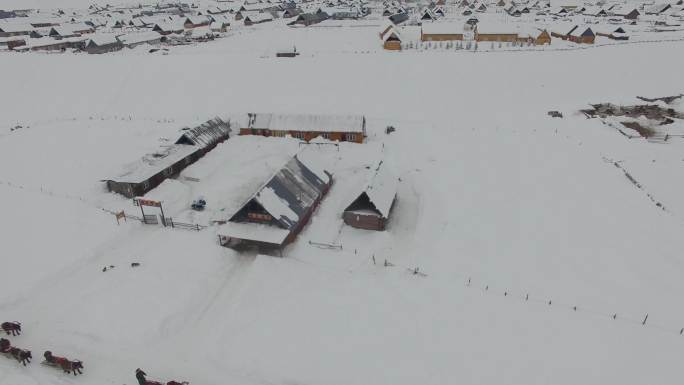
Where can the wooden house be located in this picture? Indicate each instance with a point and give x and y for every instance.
(372, 207)
(257, 18)
(582, 35)
(344, 128)
(15, 29)
(399, 18)
(486, 31)
(577, 34)
(627, 13)
(391, 40)
(150, 171)
(100, 44)
(197, 21)
(535, 36)
(617, 34)
(307, 19)
(279, 210)
(658, 9)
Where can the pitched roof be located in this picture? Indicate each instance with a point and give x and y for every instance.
(306, 122)
(206, 134)
(381, 189)
(290, 194)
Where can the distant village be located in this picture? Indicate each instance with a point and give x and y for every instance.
(467, 23)
(100, 30)
(401, 25)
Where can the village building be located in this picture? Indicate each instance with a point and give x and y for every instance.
(257, 18)
(49, 44)
(534, 36)
(134, 39)
(399, 18)
(658, 9)
(617, 34)
(344, 128)
(15, 29)
(486, 31)
(576, 34)
(169, 27)
(628, 13)
(103, 43)
(197, 21)
(582, 35)
(307, 19)
(150, 171)
(371, 209)
(279, 210)
(391, 40)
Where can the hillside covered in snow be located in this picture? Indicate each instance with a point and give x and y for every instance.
(521, 248)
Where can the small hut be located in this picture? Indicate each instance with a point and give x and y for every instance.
(372, 207)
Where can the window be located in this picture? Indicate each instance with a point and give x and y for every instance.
(351, 137)
(168, 171)
(259, 217)
(325, 135)
(298, 135)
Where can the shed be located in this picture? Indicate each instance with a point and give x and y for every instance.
(371, 209)
(147, 173)
(279, 210)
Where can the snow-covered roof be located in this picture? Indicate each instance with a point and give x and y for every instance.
(102, 39)
(139, 37)
(152, 164)
(442, 28)
(259, 17)
(289, 195)
(14, 27)
(494, 27)
(381, 189)
(307, 122)
(206, 134)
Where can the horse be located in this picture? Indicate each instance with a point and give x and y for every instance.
(21, 355)
(13, 328)
(5, 345)
(67, 365)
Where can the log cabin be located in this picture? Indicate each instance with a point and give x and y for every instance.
(279, 210)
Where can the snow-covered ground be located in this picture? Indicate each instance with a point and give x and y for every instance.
(492, 190)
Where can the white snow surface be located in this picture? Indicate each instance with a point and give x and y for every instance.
(492, 191)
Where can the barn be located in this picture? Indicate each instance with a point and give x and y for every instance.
(371, 209)
(150, 171)
(279, 210)
(344, 128)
